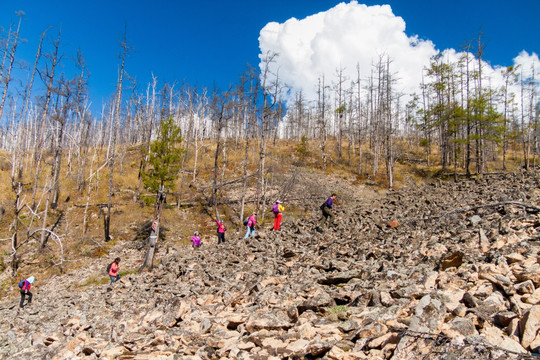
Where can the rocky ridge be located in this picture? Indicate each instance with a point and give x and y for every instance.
(442, 271)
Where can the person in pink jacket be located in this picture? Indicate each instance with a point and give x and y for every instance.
(220, 231)
(113, 270)
(252, 221)
(196, 240)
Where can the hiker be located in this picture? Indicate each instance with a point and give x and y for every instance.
(195, 240)
(327, 211)
(251, 222)
(25, 290)
(220, 231)
(277, 209)
(113, 270)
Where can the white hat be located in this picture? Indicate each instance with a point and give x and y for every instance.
(196, 232)
(278, 202)
(30, 279)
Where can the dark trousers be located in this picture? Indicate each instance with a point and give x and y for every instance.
(23, 294)
(220, 237)
(327, 215)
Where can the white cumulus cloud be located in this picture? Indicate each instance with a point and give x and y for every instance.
(341, 38)
(527, 64)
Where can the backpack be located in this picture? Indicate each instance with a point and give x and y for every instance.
(323, 205)
(21, 283)
(246, 221)
(109, 268)
(275, 209)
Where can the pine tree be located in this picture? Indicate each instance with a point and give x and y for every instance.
(164, 157)
(164, 161)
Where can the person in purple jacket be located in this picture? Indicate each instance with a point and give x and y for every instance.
(252, 221)
(196, 240)
(327, 211)
(220, 231)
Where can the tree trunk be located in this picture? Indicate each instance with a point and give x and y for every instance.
(115, 119)
(7, 77)
(38, 149)
(148, 262)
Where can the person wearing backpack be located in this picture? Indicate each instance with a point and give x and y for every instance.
(196, 240)
(220, 231)
(277, 209)
(25, 286)
(251, 222)
(113, 270)
(327, 213)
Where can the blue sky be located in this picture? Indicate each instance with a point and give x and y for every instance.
(210, 42)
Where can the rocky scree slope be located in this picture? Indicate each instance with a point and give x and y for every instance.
(442, 271)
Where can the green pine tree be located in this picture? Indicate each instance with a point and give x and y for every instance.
(164, 157)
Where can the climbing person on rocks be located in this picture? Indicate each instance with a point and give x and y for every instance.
(277, 209)
(327, 214)
(220, 231)
(196, 240)
(113, 270)
(25, 290)
(251, 223)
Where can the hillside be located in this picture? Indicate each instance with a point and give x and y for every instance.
(438, 271)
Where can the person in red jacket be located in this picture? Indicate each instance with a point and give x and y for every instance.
(25, 290)
(113, 271)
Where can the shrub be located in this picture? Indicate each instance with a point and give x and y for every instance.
(337, 309)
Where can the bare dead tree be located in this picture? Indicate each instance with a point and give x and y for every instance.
(249, 105)
(49, 78)
(198, 133)
(149, 114)
(10, 52)
(271, 88)
(340, 110)
(114, 121)
(191, 94)
(64, 91)
(220, 114)
(322, 123)
(359, 118)
(18, 205)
